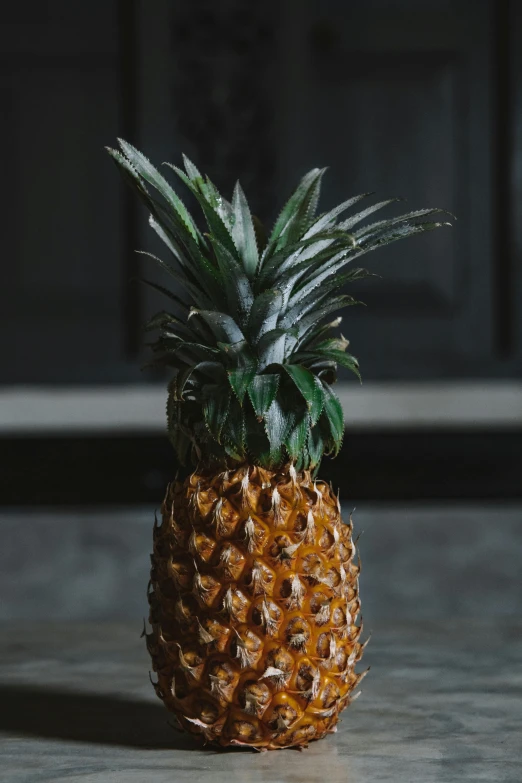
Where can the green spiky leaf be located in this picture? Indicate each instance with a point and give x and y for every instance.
(318, 332)
(332, 344)
(262, 391)
(399, 232)
(264, 314)
(352, 221)
(316, 316)
(338, 356)
(215, 408)
(334, 414)
(278, 423)
(208, 368)
(381, 225)
(299, 197)
(309, 388)
(243, 233)
(316, 446)
(241, 364)
(222, 326)
(198, 295)
(240, 379)
(271, 348)
(151, 175)
(301, 217)
(317, 289)
(296, 439)
(192, 170)
(236, 284)
(215, 222)
(327, 219)
(234, 431)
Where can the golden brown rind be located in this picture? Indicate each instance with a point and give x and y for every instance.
(254, 603)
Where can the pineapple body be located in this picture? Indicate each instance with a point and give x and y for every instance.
(253, 605)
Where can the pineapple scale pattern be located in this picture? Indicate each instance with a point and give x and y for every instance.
(253, 606)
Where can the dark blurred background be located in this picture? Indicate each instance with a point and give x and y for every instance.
(414, 98)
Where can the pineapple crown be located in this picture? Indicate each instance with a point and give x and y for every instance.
(247, 334)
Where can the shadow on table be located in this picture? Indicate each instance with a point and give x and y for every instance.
(102, 719)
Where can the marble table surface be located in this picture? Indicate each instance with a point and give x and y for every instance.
(442, 703)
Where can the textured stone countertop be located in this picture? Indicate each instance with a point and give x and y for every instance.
(443, 702)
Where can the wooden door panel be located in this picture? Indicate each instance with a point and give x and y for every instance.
(397, 100)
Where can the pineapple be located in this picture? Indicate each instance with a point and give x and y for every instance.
(254, 600)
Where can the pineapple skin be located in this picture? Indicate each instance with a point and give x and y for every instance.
(253, 606)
